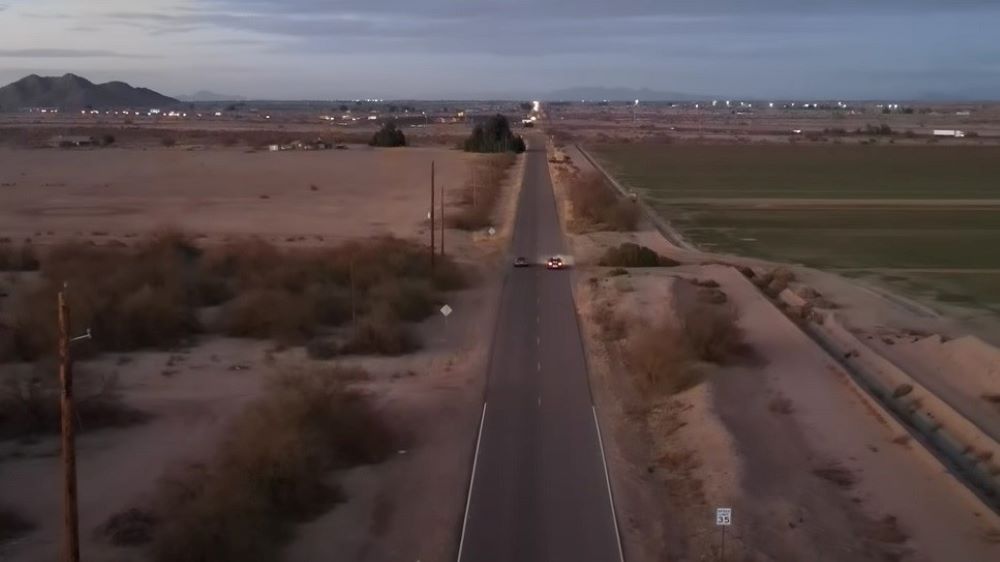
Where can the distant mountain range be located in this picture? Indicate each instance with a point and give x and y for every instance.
(206, 95)
(74, 92)
(617, 94)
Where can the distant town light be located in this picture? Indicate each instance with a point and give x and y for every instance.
(536, 106)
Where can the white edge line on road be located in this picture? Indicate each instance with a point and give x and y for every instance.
(472, 482)
(607, 480)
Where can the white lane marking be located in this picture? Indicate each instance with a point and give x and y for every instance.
(539, 366)
(472, 482)
(538, 340)
(607, 480)
(539, 401)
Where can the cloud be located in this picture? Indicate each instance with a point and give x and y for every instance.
(65, 53)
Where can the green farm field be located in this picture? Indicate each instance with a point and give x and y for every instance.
(922, 220)
(806, 171)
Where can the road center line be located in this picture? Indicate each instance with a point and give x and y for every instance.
(472, 482)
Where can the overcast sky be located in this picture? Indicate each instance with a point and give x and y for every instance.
(321, 49)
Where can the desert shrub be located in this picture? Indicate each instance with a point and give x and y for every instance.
(494, 135)
(409, 300)
(633, 255)
(879, 130)
(150, 303)
(612, 326)
(132, 527)
(388, 136)
(322, 348)
(13, 525)
(8, 345)
(168, 141)
(23, 258)
(661, 360)
(712, 333)
(594, 203)
(381, 333)
(146, 317)
(270, 314)
(669, 357)
(271, 470)
(482, 193)
(263, 292)
(711, 295)
(29, 404)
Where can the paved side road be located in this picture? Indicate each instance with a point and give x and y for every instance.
(539, 490)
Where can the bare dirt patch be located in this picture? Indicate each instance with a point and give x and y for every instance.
(221, 192)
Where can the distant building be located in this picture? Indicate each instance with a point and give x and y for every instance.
(953, 133)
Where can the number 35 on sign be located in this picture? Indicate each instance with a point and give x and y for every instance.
(724, 516)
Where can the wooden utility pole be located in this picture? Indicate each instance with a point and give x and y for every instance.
(354, 310)
(71, 526)
(442, 221)
(432, 214)
(475, 185)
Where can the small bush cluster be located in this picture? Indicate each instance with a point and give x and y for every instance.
(13, 525)
(595, 204)
(22, 258)
(877, 130)
(271, 471)
(151, 295)
(29, 404)
(494, 135)
(482, 193)
(774, 282)
(388, 136)
(630, 254)
(669, 357)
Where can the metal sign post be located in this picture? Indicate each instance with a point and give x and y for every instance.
(446, 312)
(723, 519)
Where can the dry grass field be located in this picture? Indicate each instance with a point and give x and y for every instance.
(51, 194)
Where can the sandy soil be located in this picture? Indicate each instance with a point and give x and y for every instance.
(52, 194)
(726, 443)
(760, 437)
(408, 508)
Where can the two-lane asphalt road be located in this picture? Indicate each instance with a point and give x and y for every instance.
(539, 490)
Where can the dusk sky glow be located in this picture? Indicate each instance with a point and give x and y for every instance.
(313, 49)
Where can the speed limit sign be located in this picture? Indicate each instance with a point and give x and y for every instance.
(724, 516)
